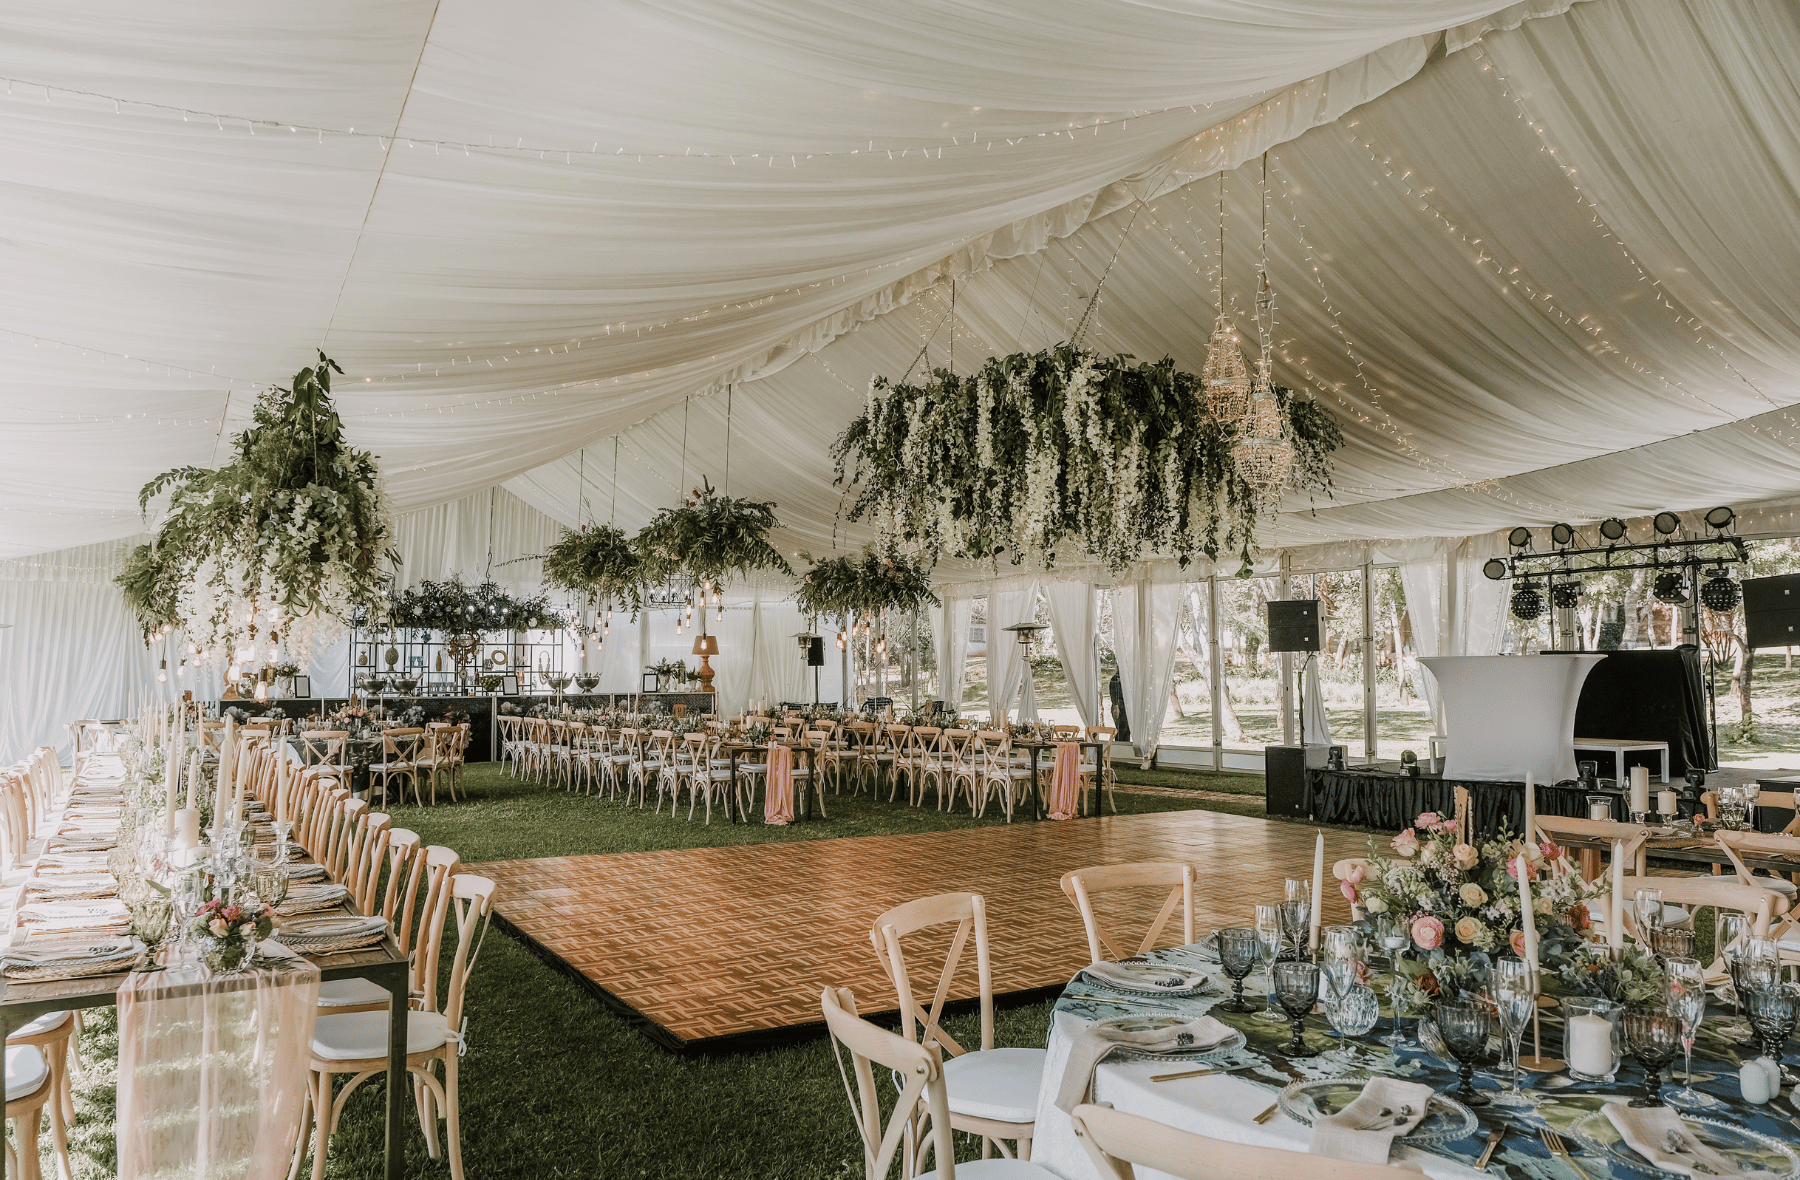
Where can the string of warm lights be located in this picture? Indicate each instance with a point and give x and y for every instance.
(23, 89)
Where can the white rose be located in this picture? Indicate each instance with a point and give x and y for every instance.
(1374, 905)
(1472, 894)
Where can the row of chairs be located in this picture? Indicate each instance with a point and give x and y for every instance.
(26, 789)
(409, 753)
(422, 891)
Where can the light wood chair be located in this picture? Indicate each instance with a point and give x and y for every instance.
(400, 756)
(1562, 829)
(1079, 886)
(406, 868)
(992, 1092)
(1104, 734)
(1735, 844)
(919, 1129)
(1115, 1141)
(356, 1044)
(324, 749)
(29, 1076)
(1001, 773)
(53, 1035)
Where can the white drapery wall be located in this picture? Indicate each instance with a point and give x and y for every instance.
(780, 673)
(1006, 664)
(1144, 617)
(950, 641)
(1455, 610)
(1073, 621)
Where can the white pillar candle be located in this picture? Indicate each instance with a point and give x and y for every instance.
(1599, 811)
(1531, 832)
(187, 828)
(1589, 1047)
(1666, 802)
(1527, 922)
(1615, 921)
(1317, 881)
(1640, 788)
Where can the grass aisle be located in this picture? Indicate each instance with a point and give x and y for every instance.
(554, 1085)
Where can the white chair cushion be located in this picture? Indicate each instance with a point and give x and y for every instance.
(42, 1024)
(994, 1169)
(360, 1036)
(1779, 885)
(335, 993)
(998, 1084)
(25, 1071)
(1673, 916)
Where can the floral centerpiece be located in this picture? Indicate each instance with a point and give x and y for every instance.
(229, 931)
(1459, 902)
(1633, 977)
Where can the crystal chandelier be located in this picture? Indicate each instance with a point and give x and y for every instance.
(1224, 375)
(1264, 456)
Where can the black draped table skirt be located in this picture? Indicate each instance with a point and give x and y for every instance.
(1389, 801)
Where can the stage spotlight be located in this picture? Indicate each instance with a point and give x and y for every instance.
(1562, 534)
(1719, 593)
(1519, 538)
(1565, 595)
(1670, 587)
(1665, 523)
(1527, 602)
(1720, 518)
(1613, 529)
(1494, 568)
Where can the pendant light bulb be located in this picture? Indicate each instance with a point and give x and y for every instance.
(181, 670)
(162, 674)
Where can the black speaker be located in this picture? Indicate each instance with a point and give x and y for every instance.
(1772, 611)
(815, 652)
(1294, 624)
(1284, 781)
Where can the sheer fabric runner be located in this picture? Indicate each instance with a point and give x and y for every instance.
(212, 1071)
(778, 801)
(1065, 780)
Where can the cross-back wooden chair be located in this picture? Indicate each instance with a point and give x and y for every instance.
(399, 757)
(1735, 845)
(1562, 829)
(1001, 773)
(1089, 770)
(1760, 907)
(1116, 1141)
(1079, 885)
(992, 1092)
(324, 749)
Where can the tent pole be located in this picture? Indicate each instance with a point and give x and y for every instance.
(1368, 659)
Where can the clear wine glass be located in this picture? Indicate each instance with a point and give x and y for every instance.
(1296, 922)
(1647, 908)
(1269, 936)
(1687, 1000)
(1340, 957)
(1514, 995)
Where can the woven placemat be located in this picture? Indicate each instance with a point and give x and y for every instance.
(310, 900)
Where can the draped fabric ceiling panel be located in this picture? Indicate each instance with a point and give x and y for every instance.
(1538, 267)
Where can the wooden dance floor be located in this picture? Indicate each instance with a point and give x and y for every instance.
(716, 945)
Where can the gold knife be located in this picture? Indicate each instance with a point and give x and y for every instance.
(1487, 1153)
(1189, 1073)
(1268, 1114)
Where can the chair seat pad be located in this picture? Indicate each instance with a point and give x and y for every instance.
(25, 1071)
(360, 1036)
(994, 1169)
(1673, 916)
(998, 1084)
(41, 1024)
(1779, 885)
(335, 993)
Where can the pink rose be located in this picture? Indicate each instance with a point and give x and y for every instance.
(1512, 870)
(1466, 856)
(1518, 943)
(1428, 821)
(1427, 933)
(1356, 874)
(1406, 843)
(218, 927)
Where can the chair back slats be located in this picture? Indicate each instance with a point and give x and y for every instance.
(1080, 884)
(968, 911)
(917, 1073)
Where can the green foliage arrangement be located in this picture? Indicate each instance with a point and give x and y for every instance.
(456, 608)
(863, 585)
(709, 538)
(597, 564)
(291, 534)
(1061, 453)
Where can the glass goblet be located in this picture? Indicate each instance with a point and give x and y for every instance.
(1646, 910)
(1296, 923)
(1773, 1008)
(1687, 1000)
(1269, 936)
(1652, 1035)
(1297, 990)
(1464, 1028)
(1353, 1011)
(150, 920)
(1239, 948)
(270, 880)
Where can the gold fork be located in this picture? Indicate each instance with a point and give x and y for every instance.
(1553, 1143)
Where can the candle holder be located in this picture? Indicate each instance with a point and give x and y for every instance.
(1584, 1058)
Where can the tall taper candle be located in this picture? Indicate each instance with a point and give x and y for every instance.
(193, 782)
(1527, 919)
(171, 780)
(1615, 921)
(1531, 832)
(1312, 938)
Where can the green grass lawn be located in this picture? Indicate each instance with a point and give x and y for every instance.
(554, 1085)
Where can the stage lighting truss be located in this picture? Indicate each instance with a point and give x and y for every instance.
(1670, 552)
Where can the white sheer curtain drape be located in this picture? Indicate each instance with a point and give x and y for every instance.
(1144, 616)
(781, 672)
(1453, 608)
(950, 643)
(1007, 668)
(1073, 621)
(734, 668)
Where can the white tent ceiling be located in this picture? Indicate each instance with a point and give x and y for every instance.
(1541, 273)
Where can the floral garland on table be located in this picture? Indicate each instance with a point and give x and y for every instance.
(708, 538)
(290, 536)
(865, 585)
(1459, 902)
(1632, 978)
(1062, 453)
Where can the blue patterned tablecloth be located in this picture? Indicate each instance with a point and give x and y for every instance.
(1218, 1105)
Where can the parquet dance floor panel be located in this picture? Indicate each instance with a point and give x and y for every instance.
(722, 943)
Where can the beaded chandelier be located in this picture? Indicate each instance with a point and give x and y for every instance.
(1226, 377)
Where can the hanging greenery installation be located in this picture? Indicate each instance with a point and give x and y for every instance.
(707, 539)
(289, 537)
(595, 564)
(1061, 454)
(865, 585)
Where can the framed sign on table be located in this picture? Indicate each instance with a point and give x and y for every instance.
(509, 684)
(651, 682)
(302, 686)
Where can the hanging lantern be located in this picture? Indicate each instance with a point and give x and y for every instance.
(1719, 593)
(1527, 602)
(1264, 456)
(1226, 377)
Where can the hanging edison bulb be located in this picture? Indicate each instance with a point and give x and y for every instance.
(1264, 456)
(162, 673)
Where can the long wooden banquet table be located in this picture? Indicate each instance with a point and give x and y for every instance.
(382, 964)
(1250, 1074)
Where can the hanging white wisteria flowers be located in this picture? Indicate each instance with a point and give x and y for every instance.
(276, 548)
(1062, 454)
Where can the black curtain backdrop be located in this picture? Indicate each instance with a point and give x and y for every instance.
(1648, 696)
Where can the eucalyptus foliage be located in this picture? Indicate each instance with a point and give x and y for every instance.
(1061, 454)
(295, 529)
(707, 539)
(867, 584)
(457, 609)
(598, 563)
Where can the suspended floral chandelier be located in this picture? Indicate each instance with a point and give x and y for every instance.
(1264, 456)
(1224, 375)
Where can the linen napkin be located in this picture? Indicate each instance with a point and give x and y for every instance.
(71, 864)
(107, 917)
(71, 888)
(1362, 1132)
(1145, 977)
(1658, 1134)
(1097, 1040)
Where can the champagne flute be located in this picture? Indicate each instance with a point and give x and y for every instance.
(1268, 936)
(1647, 908)
(1514, 997)
(1687, 1000)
